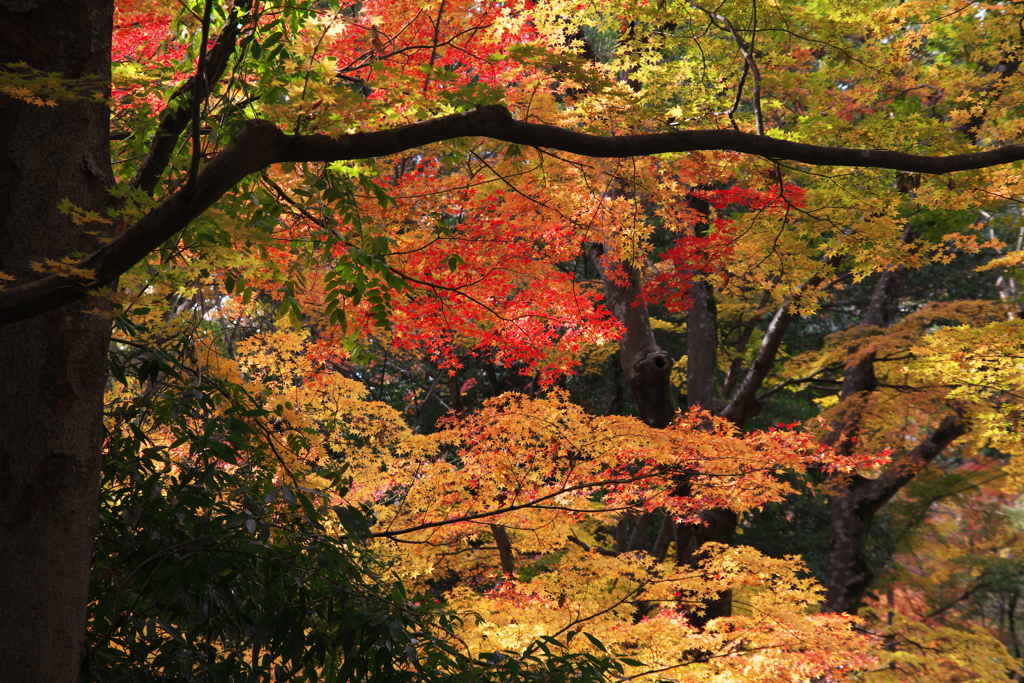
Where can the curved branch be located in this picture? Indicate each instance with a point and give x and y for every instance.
(749, 64)
(745, 404)
(176, 118)
(261, 143)
(872, 494)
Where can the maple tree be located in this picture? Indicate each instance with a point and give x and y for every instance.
(280, 204)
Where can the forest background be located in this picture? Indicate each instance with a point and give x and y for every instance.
(511, 340)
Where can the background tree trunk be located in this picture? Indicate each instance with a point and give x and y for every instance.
(52, 367)
(647, 369)
(854, 500)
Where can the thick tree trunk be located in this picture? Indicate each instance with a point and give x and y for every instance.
(646, 366)
(848, 574)
(717, 525)
(52, 367)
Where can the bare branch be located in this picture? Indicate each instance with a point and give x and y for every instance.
(749, 64)
(261, 143)
(176, 117)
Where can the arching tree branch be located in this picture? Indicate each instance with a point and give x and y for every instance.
(261, 143)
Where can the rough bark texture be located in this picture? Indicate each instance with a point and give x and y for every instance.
(850, 513)
(702, 330)
(647, 369)
(646, 366)
(744, 404)
(52, 367)
(717, 525)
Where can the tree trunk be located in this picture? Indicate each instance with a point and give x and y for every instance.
(702, 331)
(53, 366)
(854, 500)
(702, 351)
(646, 366)
(852, 509)
(647, 369)
(848, 575)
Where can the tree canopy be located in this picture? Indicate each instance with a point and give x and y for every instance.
(533, 340)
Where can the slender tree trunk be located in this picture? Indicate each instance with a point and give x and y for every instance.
(852, 509)
(52, 367)
(702, 351)
(717, 525)
(855, 499)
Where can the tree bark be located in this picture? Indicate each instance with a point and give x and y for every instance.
(505, 553)
(851, 511)
(52, 367)
(647, 369)
(848, 575)
(853, 501)
(702, 329)
(702, 350)
(175, 119)
(646, 366)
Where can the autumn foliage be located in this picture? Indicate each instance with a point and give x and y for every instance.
(398, 381)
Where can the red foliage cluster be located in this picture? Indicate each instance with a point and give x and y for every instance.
(143, 36)
(693, 256)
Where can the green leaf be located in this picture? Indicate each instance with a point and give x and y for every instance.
(595, 642)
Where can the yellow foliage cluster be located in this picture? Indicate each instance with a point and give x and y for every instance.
(921, 362)
(550, 475)
(777, 633)
(983, 366)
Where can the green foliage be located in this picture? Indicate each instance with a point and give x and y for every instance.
(209, 568)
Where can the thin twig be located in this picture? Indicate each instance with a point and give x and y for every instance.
(199, 88)
(747, 51)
